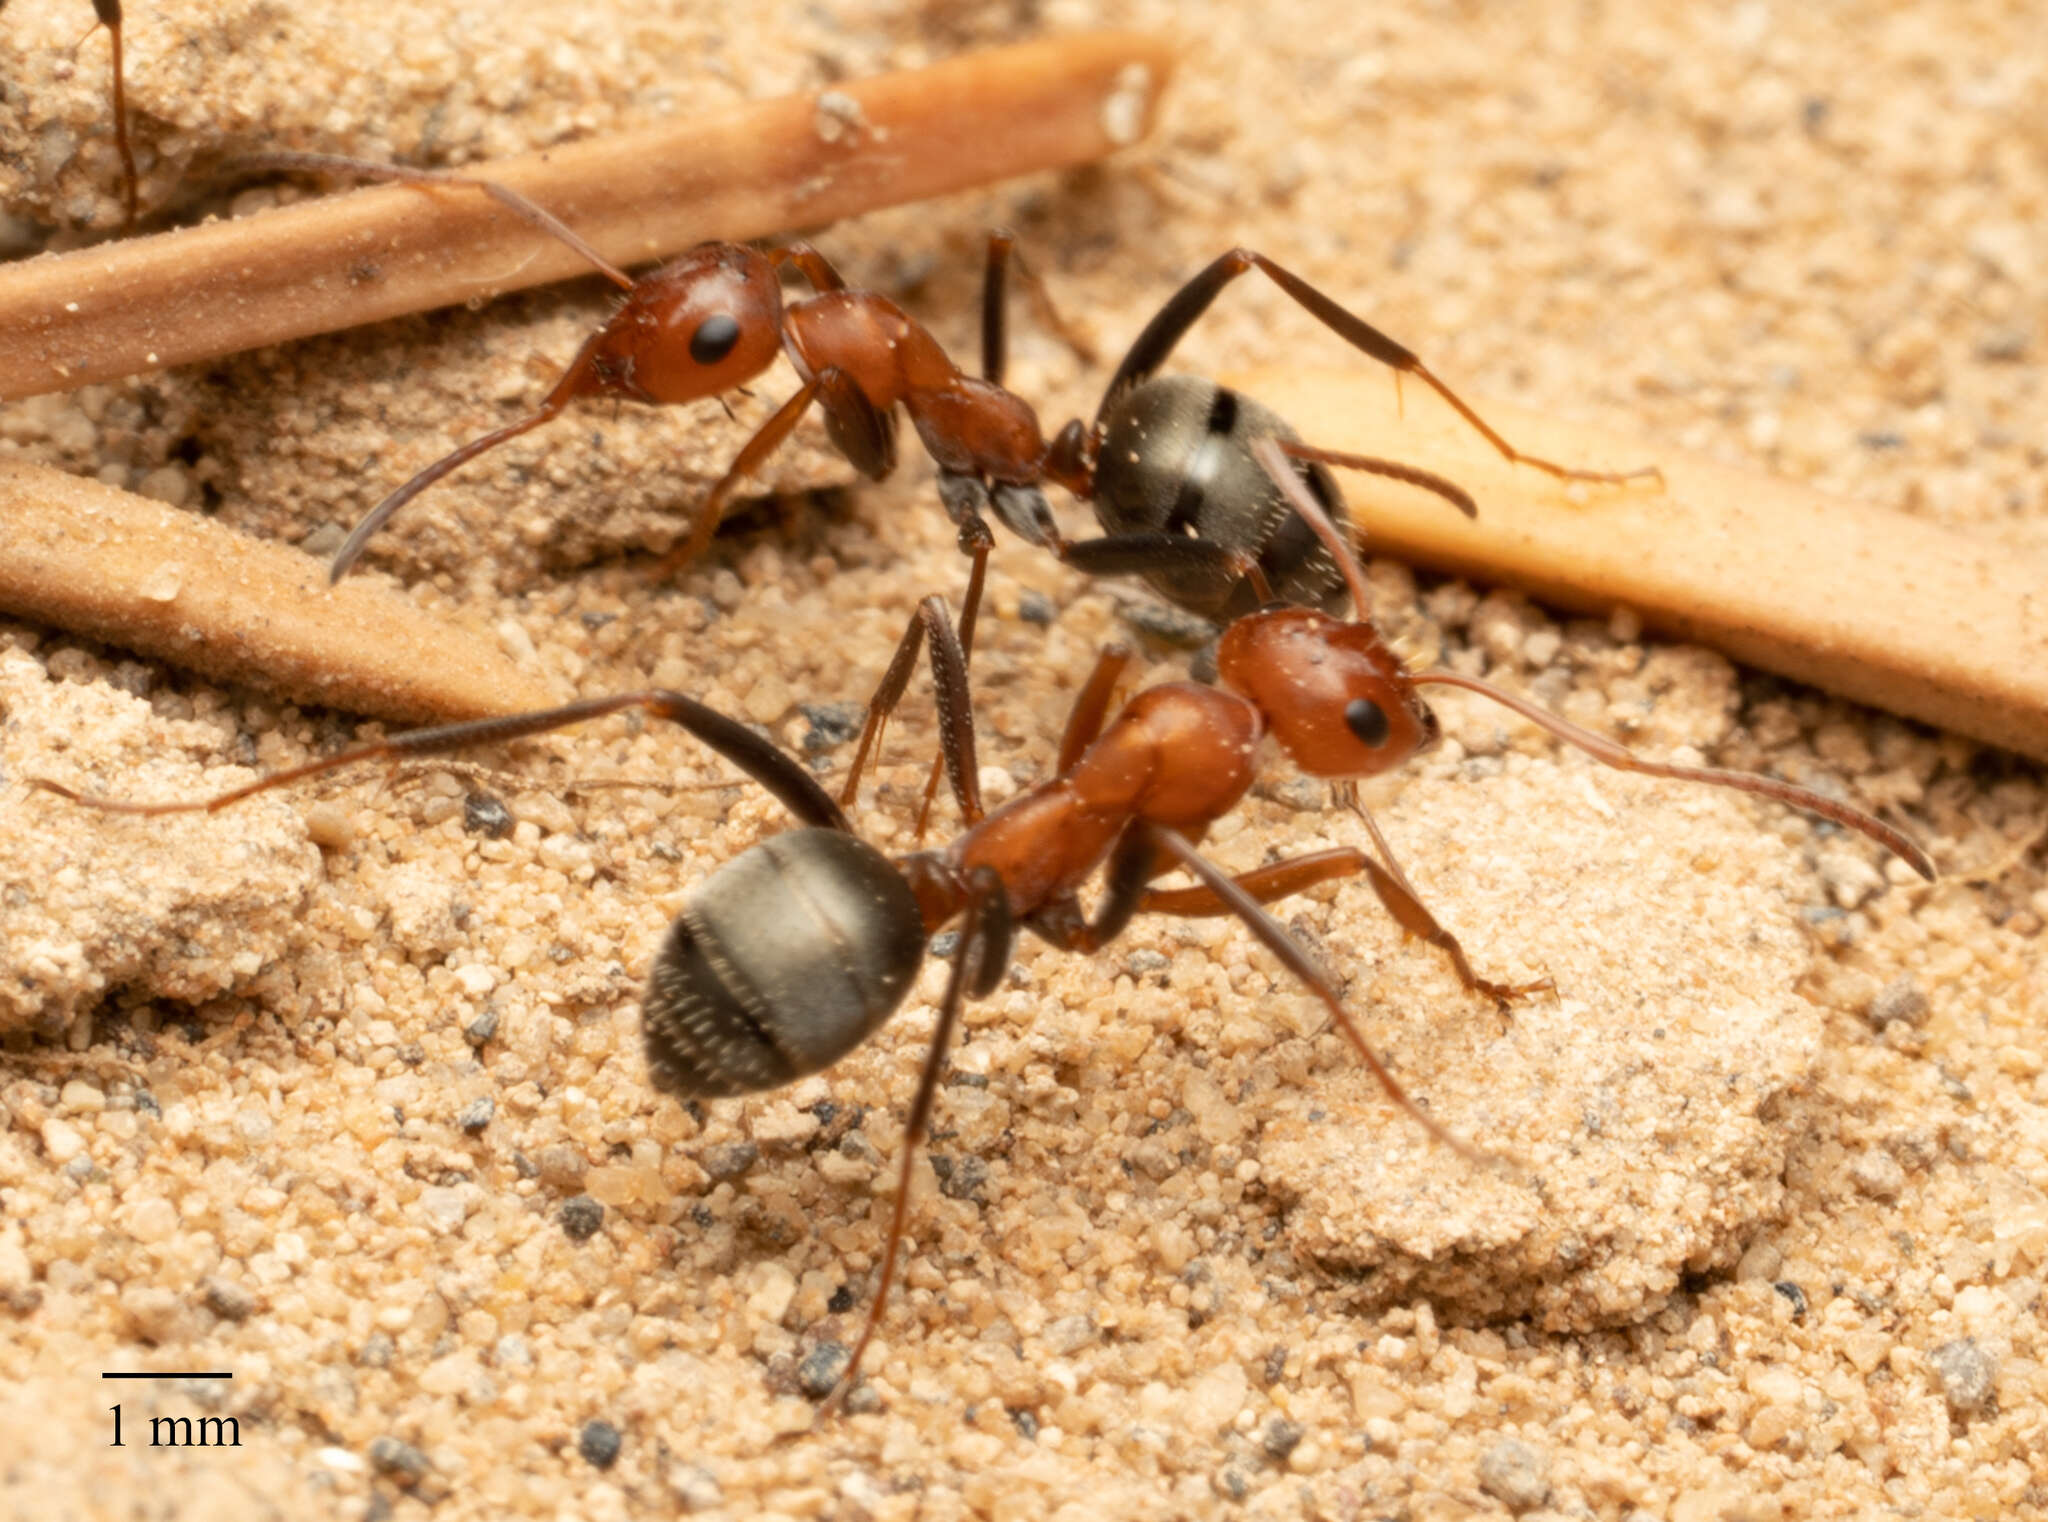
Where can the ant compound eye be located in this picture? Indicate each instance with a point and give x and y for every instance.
(1366, 719)
(714, 338)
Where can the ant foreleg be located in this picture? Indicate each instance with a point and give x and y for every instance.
(955, 705)
(1276, 940)
(987, 933)
(1091, 706)
(766, 440)
(1297, 874)
(977, 541)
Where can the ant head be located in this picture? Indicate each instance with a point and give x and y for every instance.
(700, 325)
(1332, 693)
(1334, 696)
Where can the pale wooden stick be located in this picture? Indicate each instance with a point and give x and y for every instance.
(116, 567)
(766, 167)
(1872, 604)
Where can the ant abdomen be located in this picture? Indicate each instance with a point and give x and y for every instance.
(1176, 457)
(784, 960)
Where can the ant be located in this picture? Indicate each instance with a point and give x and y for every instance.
(109, 13)
(1164, 461)
(793, 953)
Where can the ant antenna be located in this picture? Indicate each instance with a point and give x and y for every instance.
(1601, 749)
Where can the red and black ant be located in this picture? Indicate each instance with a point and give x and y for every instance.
(791, 954)
(109, 13)
(1164, 462)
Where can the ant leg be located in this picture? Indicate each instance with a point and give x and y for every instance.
(1276, 940)
(530, 212)
(109, 13)
(1091, 707)
(956, 710)
(762, 760)
(863, 432)
(766, 440)
(1186, 306)
(1393, 470)
(983, 952)
(995, 317)
(1132, 863)
(814, 266)
(994, 302)
(977, 541)
(1282, 879)
(1162, 553)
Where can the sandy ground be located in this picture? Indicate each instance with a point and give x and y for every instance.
(344, 1093)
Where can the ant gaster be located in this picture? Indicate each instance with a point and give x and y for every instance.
(791, 954)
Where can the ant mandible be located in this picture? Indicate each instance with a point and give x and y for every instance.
(798, 949)
(109, 13)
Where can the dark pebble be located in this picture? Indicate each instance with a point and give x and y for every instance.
(485, 814)
(1795, 1294)
(599, 1443)
(581, 1217)
(1280, 1438)
(477, 1114)
(480, 1030)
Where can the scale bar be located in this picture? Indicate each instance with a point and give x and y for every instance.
(173, 1374)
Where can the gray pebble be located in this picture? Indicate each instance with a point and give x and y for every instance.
(477, 1114)
(1280, 1438)
(821, 1369)
(1968, 1374)
(831, 724)
(1899, 1000)
(226, 1299)
(376, 1351)
(1515, 1474)
(1170, 626)
(730, 1160)
(390, 1456)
